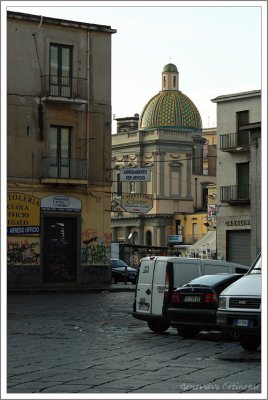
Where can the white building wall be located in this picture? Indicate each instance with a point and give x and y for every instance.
(229, 216)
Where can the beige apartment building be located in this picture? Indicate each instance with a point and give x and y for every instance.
(58, 120)
(238, 209)
(167, 141)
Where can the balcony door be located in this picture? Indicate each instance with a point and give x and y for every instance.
(60, 152)
(242, 118)
(60, 70)
(242, 181)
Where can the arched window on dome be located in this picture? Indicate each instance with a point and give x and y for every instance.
(174, 82)
(164, 82)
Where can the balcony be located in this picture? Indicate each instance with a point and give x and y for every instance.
(64, 170)
(235, 142)
(63, 89)
(235, 194)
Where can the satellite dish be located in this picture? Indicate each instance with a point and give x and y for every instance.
(130, 236)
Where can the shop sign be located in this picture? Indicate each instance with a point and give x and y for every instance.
(174, 239)
(212, 218)
(241, 222)
(137, 203)
(60, 203)
(135, 175)
(23, 215)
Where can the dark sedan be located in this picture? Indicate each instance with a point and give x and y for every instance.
(194, 306)
(121, 272)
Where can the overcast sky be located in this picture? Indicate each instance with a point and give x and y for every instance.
(216, 47)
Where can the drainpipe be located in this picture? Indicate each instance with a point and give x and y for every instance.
(88, 98)
(195, 193)
(36, 49)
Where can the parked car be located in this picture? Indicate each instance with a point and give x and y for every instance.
(240, 307)
(121, 272)
(159, 276)
(194, 306)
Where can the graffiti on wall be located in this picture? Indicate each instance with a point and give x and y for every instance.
(21, 252)
(96, 250)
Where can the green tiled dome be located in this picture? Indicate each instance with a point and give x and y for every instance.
(170, 68)
(170, 109)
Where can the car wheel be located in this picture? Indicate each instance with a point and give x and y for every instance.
(187, 333)
(158, 327)
(250, 342)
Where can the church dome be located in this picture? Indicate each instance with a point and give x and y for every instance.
(170, 108)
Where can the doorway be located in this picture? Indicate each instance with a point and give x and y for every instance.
(60, 249)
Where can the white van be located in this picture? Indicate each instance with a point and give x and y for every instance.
(159, 276)
(240, 307)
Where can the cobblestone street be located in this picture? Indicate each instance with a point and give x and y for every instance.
(90, 343)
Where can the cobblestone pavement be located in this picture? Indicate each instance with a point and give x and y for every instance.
(90, 343)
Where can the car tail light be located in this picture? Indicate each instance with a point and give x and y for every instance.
(211, 298)
(175, 297)
(166, 287)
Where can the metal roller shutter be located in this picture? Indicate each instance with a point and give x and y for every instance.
(238, 246)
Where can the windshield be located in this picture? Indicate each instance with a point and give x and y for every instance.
(256, 268)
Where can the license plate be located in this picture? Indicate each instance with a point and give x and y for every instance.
(193, 299)
(242, 322)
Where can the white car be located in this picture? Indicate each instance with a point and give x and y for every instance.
(240, 308)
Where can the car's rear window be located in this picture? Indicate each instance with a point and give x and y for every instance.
(118, 263)
(210, 280)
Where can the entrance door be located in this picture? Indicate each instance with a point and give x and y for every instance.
(60, 249)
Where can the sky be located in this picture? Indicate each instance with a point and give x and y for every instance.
(216, 46)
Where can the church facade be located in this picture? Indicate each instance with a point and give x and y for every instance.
(167, 140)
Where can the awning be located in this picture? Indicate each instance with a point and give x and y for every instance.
(208, 241)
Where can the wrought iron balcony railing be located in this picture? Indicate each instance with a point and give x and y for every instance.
(64, 86)
(235, 194)
(64, 168)
(235, 141)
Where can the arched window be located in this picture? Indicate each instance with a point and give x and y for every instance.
(164, 82)
(148, 238)
(174, 81)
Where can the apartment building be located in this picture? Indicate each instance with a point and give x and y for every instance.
(238, 208)
(58, 152)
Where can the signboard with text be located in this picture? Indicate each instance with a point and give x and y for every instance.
(60, 203)
(174, 239)
(135, 175)
(137, 203)
(23, 215)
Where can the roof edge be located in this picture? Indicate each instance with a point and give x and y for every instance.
(233, 96)
(59, 21)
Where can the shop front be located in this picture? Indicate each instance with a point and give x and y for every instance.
(48, 245)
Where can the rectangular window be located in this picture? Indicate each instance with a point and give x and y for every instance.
(60, 151)
(204, 198)
(60, 70)
(119, 185)
(195, 231)
(242, 118)
(174, 182)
